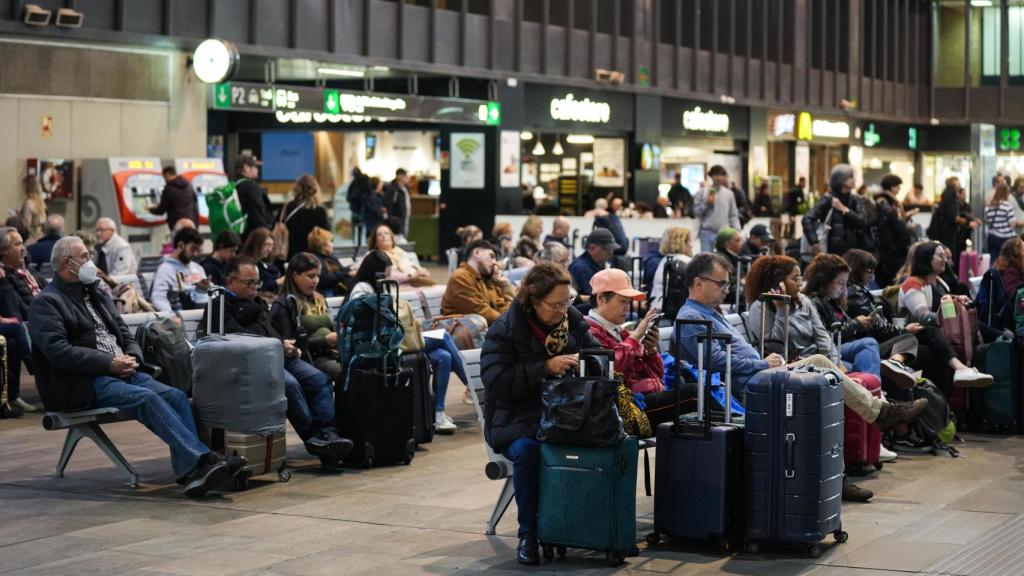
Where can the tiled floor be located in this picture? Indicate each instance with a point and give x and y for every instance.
(929, 515)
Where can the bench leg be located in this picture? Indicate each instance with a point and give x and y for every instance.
(93, 432)
(507, 493)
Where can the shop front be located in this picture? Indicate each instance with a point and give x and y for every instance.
(945, 153)
(698, 135)
(804, 145)
(886, 149)
(1010, 155)
(573, 145)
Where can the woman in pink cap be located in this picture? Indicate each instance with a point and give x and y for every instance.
(637, 355)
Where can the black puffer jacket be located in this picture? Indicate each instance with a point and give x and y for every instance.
(64, 343)
(512, 366)
(848, 230)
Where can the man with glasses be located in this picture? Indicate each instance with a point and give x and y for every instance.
(310, 398)
(477, 285)
(113, 253)
(87, 358)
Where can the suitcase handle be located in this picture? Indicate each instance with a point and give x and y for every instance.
(727, 338)
(596, 353)
(790, 450)
(678, 341)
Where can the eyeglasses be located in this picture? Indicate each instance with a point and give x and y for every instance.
(722, 284)
(561, 307)
(248, 283)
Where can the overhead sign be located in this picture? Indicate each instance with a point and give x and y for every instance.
(912, 138)
(699, 120)
(490, 113)
(1009, 139)
(830, 129)
(585, 110)
(871, 136)
(804, 127)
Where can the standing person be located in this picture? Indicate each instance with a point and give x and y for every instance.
(396, 197)
(680, 199)
(998, 180)
(375, 210)
(763, 202)
(999, 220)
(795, 198)
(251, 196)
(356, 194)
(33, 209)
(303, 213)
(840, 209)
(178, 200)
(539, 337)
(180, 283)
(114, 255)
(715, 206)
(259, 248)
(967, 223)
(53, 230)
(894, 237)
(225, 247)
(946, 218)
(742, 203)
(1017, 201)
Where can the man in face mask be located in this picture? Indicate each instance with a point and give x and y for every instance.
(92, 361)
(477, 286)
(180, 283)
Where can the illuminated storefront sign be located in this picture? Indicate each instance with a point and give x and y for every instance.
(804, 127)
(569, 108)
(699, 120)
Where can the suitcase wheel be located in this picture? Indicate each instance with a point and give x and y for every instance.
(284, 475)
(814, 551)
(614, 559)
(549, 553)
(410, 452)
(841, 536)
(241, 483)
(654, 538)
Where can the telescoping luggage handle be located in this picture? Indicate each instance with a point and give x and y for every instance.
(704, 356)
(766, 299)
(743, 260)
(383, 287)
(213, 293)
(596, 353)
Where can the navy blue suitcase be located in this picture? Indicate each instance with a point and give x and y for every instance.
(699, 465)
(793, 439)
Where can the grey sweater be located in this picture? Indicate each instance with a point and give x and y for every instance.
(723, 213)
(807, 335)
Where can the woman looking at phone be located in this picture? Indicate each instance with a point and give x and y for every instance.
(637, 355)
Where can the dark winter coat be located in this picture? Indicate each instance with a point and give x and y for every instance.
(178, 201)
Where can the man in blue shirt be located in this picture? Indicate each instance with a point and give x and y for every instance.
(599, 249)
(708, 278)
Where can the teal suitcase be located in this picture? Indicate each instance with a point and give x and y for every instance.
(588, 499)
(1002, 398)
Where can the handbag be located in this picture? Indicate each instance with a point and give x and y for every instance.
(413, 339)
(467, 330)
(280, 234)
(582, 410)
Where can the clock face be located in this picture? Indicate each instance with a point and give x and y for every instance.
(214, 60)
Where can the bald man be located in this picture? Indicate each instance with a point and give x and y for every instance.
(113, 253)
(53, 230)
(559, 232)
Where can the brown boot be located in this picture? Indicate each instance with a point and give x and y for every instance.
(892, 413)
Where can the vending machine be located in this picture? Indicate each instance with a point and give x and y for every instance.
(123, 189)
(206, 175)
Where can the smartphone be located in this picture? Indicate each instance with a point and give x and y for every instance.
(653, 326)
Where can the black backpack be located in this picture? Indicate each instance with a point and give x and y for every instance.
(935, 428)
(674, 291)
(357, 192)
(164, 343)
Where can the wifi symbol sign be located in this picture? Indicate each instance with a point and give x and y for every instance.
(468, 146)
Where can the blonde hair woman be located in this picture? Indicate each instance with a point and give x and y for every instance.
(675, 242)
(303, 213)
(33, 210)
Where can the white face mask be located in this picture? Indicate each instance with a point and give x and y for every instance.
(87, 273)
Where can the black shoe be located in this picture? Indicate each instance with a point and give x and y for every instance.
(854, 493)
(9, 410)
(892, 413)
(861, 471)
(211, 473)
(528, 552)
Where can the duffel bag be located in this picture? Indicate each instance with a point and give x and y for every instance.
(582, 410)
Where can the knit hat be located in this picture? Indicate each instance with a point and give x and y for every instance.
(724, 236)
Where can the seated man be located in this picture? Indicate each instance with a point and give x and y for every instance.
(559, 232)
(310, 398)
(707, 276)
(637, 355)
(225, 247)
(39, 252)
(599, 249)
(477, 285)
(91, 361)
(180, 283)
(19, 284)
(114, 255)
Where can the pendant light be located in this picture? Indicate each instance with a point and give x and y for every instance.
(538, 150)
(557, 148)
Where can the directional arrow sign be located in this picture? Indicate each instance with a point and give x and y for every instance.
(332, 102)
(871, 136)
(493, 113)
(222, 96)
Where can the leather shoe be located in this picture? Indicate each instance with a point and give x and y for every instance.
(528, 552)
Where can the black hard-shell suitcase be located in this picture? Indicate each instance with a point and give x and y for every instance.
(793, 441)
(698, 465)
(423, 398)
(374, 407)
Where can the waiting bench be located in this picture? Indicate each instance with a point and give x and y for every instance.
(86, 424)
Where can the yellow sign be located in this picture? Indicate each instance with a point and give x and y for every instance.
(804, 126)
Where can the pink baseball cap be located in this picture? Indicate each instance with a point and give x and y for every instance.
(614, 280)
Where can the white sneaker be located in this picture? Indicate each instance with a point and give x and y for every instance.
(886, 455)
(971, 378)
(24, 406)
(443, 424)
(467, 398)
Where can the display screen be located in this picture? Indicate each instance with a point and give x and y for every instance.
(287, 155)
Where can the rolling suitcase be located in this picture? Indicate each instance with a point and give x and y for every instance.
(1001, 400)
(374, 405)
(698, 473)
(793, 441)
(424, 400)
(862, 441)
(239, 399)
(572, 479)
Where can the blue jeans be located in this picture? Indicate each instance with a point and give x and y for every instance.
(444, 357)
(310, 398)
(162, 409)
(707, 241)
(862, 355)
(525, 456)
(995, 244)
(18, 351)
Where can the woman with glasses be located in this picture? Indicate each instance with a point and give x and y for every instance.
(538, 337)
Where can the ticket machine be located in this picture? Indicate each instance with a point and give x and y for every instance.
(206, 175)
(122, 189)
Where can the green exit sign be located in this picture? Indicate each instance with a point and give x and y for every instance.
(490, 113)
(332, 102)
(222, 96)
(912, 138)
(871, 136)
(1009, 139)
